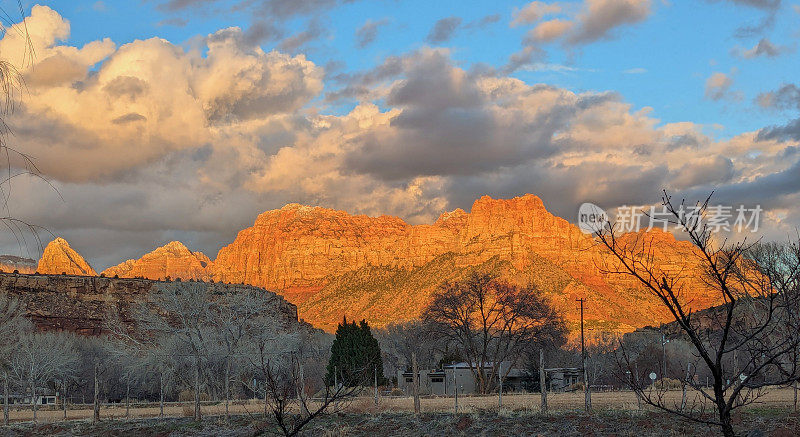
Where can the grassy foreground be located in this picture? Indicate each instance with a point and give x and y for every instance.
(769, 422)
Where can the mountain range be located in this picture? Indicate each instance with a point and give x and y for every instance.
(330, 263)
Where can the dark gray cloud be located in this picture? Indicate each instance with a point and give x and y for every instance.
(259, 32)
(483, 22)
(129, 86)
(756, 29)
(269, 16)
(787, 132)
(313, 31)
(271, 8)
(443, 30)
(130, 117)
(366, 34)
(768, 5)
(767, 190)
(358, 85)
(449, 126)
(522, 58)
(563, 189)
(174, 21)
(764, 48)
(785, 97)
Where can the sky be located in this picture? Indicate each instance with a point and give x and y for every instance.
(156, 120)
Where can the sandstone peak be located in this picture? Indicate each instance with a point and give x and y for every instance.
(172, 260)
(454, 214)
(174, 247)
(10, 263)
(58, 257)
(527, 201)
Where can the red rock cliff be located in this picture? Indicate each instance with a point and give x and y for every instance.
(59, 258)
(173, 260)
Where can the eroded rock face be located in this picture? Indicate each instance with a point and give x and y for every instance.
(10, 263)
(173, 260)
(59, 258)
(81, 304)
(299, 246)
(331, 263)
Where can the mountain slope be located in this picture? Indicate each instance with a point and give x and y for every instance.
(173, 260)
(330, 263)
(382, 269)
(58, 258)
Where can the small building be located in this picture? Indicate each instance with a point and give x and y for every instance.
(562, 378)
(443, 382)
(46, 397)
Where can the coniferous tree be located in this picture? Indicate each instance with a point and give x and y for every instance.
(355, 356)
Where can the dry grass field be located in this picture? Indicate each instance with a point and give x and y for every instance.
(779, 398)
(614, 413)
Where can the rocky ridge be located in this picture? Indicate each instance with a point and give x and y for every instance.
(173, 260)
(331, 263)
(82, 303)
(58, 258)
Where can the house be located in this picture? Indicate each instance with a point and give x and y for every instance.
(443, 382)
(45, 397)
(562, 378)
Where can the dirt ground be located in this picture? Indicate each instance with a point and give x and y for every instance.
(774, 423)
(614, 413)
(782, 398)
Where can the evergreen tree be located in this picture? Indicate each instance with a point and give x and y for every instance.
(355, 356)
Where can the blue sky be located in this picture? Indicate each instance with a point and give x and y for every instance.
(668, 56)
(164, 120)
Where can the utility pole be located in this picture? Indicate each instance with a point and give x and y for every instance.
(301, 393)
(415, 381)
(664, 342)
(587, 391)
(542, 381)
(683, 386)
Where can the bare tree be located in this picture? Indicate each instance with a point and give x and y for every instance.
(15, 162)
(279, 361)
(12, 325)
(399, 340)
(747, 343)
(184, 312)
(39, 359)
(493, 322)
(236, 318)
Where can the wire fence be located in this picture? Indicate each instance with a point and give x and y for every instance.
(780, 398)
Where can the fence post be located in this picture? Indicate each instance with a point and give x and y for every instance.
(96, 406)
(542, 381)
(500, 391)
(415, 381)
(6, 400)
(64, 398)
(455, 387)
(161, 394)
(301, 394)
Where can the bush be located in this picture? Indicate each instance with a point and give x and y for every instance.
(188, 396)
(668, 384)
